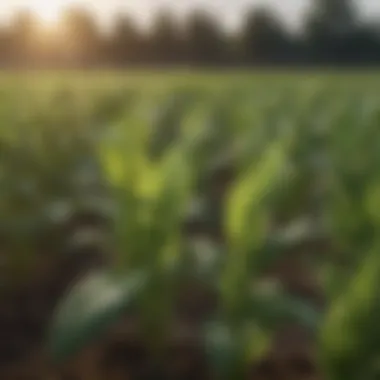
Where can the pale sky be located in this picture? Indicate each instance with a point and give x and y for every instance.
(230, 11)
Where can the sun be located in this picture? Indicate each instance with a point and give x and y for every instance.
(49, 11)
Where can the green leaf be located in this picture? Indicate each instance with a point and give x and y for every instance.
(247, 222)
(373, 203)
(174, 195)
(258, 342)
(91, 307)
(350, 336)
(270, 311)
(301, 231)
(222, 349)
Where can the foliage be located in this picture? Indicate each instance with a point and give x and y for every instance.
(304, 171)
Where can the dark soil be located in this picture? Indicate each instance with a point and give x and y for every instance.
(25, 314)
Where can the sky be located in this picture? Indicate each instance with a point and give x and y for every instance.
(229, 11)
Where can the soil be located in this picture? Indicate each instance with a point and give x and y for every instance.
(24, 316)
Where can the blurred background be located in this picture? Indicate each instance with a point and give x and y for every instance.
(214, 33)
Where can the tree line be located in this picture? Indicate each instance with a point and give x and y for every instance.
(331, 35)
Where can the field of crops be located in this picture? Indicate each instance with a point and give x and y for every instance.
(179, 226)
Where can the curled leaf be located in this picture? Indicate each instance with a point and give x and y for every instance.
(91, 307)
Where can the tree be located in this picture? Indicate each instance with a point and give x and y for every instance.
(83, 39)
(165, 39)
(22, 35)
(125, 45)
(264, 39)
(206, 44)
(332, 35)
(336, 16)
(329, 29)
(5, 46)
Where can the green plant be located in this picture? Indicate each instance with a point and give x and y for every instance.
(152, 197)
(295, 148)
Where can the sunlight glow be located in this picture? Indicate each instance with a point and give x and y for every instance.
(48, 11)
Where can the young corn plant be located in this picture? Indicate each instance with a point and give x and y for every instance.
(349, 337)
(49, 175)
(151, 259)
(151, 196)
(245, 308)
